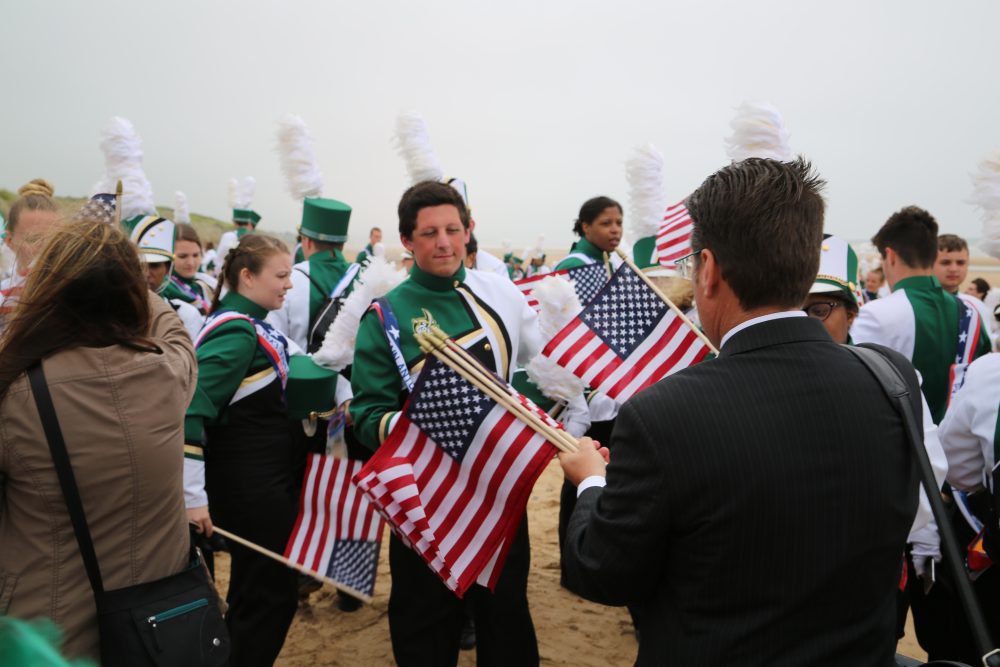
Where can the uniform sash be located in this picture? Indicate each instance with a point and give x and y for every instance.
(965, 348)
(191, 296)
(391, 328)
(269, 340)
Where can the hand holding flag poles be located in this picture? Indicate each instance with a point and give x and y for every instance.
(437, 343)
(680, 313)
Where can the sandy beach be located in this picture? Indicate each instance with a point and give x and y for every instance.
(571, 631)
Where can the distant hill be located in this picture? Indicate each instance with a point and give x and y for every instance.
(209, 229)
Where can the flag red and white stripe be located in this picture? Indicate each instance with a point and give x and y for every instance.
(455, 487)
(586, 280)
(673, 240)
(334, 512)
(626, 339)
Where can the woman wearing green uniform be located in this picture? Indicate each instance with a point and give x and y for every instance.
(187, 283)
(599, 227)
(238, 446)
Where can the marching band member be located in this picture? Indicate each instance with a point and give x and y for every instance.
(187, 283)
(238, 466)
(487, 315)
(244, 217)
(599, 227)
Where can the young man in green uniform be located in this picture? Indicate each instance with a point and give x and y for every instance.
(919, 319)
(486, 314)
(922, 321)
(374, 236)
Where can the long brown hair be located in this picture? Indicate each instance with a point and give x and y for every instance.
(251, 253)
(87, 288)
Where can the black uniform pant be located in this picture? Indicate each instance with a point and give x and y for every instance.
(263, 593)
(425, 618)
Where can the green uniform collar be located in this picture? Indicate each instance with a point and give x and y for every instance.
(585, 247)
(239, 303)
(925, 283)
(436, 283)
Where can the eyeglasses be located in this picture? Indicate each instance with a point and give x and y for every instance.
(821, 309)
(685, 266)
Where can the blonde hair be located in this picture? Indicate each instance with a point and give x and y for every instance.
(88, 289)
(35, 195)
(251, 253)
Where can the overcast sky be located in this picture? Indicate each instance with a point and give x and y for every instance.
(536, 104)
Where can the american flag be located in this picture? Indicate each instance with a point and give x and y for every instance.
(673, 240)
(587, 281)
(100, 207)
(454, 476)
(338, 532)
(626, 339)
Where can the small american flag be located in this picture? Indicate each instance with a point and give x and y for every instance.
(587, 280)
(673, 240)
(454, 476)
(100, 207)
(338, 532)
(626, 339)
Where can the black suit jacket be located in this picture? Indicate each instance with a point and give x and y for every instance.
(756, 508)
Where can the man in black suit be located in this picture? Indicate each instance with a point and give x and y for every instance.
(756, 508)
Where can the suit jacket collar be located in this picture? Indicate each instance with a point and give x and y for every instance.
(776, 332)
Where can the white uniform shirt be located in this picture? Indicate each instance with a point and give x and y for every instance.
(969, 425)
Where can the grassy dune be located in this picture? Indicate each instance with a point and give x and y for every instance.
(209, 229)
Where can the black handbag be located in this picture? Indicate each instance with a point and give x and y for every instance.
(895, 388)
(169, 622)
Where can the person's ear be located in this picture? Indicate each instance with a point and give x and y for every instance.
(407, 243)
(709, 273)
(246, 277)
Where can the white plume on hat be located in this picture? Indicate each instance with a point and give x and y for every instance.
(986, 196)
(181, 214)
(558, 305)
(297, 151)
(374, 281)
(413, 143)
(122, 150)
(241, 192)
(644, 172)
(758, 131)
(536, 251)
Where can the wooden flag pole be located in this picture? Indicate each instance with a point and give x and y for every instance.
(560, 439)
(472, 364)
(666, 300)
(292, 564)
(118, 205)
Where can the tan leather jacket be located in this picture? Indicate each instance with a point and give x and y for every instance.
(122, 415)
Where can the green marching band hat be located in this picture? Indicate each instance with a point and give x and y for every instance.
(246, 215)
(153, 236)
(838, 269)
(310, 387)
(325, 219)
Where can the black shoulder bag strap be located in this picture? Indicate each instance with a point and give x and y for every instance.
(892, 382)
(71, 494)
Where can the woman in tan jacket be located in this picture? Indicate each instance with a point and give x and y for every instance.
(121, 371)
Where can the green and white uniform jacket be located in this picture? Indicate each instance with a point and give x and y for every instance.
(231, 366)
(920, 321)
(482, 311)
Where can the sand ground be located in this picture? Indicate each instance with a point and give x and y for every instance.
(571, 631)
